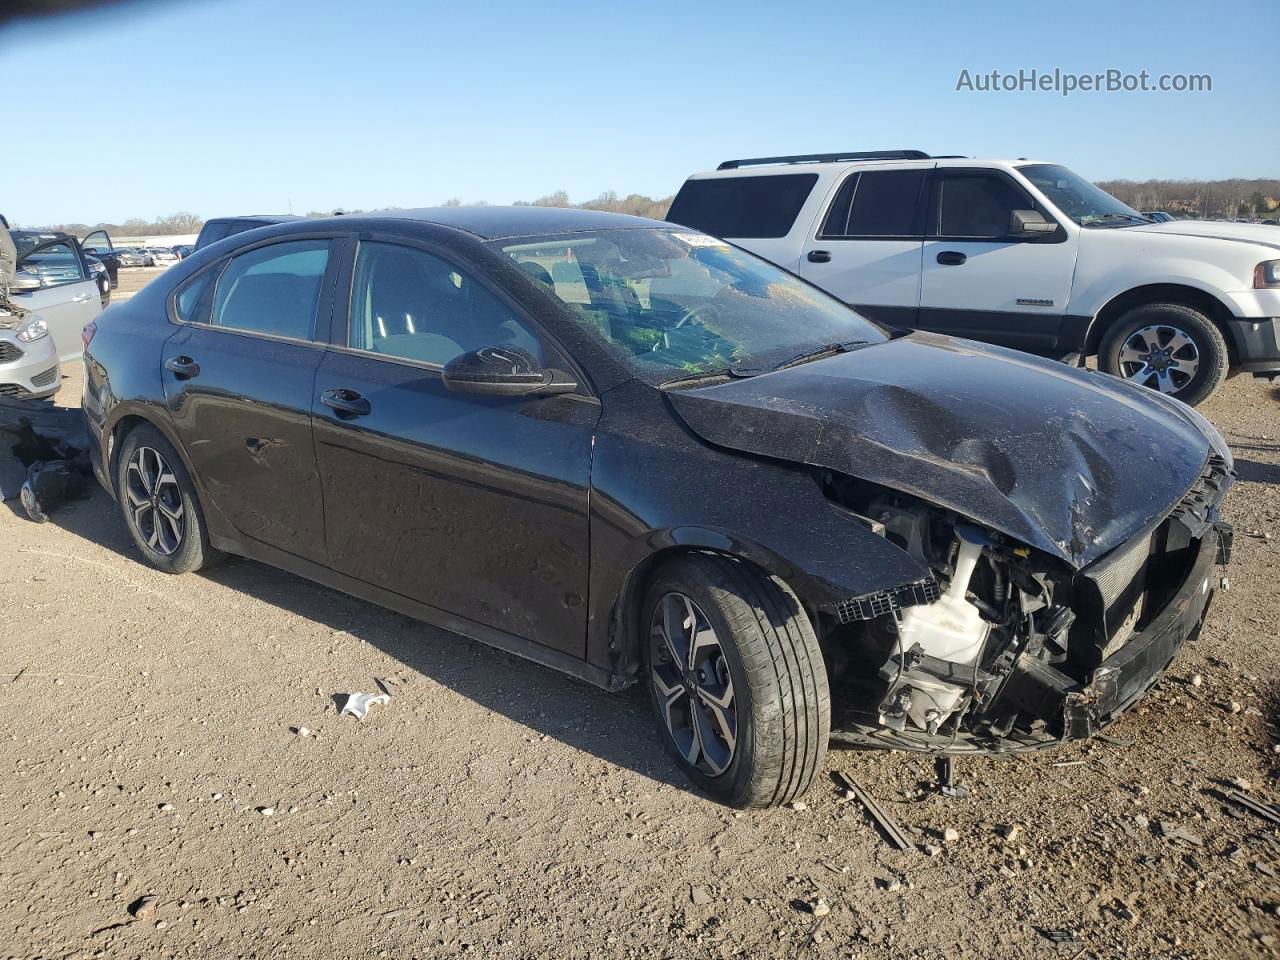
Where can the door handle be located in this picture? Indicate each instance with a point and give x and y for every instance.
(819, 256)
(346, 403)
(951, 258)
(81, 298)
(184, 368)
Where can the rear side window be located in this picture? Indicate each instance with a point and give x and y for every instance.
(273, 290)
(746, 207)
(191, 303)
(875, 203)
(977, 205)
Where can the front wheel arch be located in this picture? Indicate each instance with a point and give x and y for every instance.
(625, 636)
(1154, 293)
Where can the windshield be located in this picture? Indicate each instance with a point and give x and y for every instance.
(675, 303)
(1078, 198)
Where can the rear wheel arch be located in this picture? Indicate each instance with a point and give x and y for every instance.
(125, 426)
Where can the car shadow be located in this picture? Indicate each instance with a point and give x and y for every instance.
(545, 701)
(1251, 471)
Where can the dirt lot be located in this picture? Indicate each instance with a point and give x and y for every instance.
(152, 747)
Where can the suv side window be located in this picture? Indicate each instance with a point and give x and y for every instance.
(274, 290)
(875, 203)
(746, 207)
(975, 205)
(411, 304)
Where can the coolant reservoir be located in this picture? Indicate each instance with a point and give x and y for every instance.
(950, 629)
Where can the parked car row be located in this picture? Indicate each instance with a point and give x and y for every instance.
(638, 453)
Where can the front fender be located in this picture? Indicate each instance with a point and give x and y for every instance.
(675, 493)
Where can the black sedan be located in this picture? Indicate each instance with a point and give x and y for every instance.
(635, 453)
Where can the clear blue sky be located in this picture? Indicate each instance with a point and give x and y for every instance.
(232, 106)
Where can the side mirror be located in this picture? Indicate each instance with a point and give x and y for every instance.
(1030, 223)
(503, 371)
(24, 281)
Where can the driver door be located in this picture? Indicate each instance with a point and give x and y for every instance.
(474, 505)
(68, 297)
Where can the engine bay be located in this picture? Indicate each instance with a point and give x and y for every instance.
(999, 649)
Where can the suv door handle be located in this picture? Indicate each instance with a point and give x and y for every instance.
(184, 368)
(81, 298)
(346, 403)
(819, 256)
(951, 258)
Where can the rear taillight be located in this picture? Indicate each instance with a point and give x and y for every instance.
(87, 333)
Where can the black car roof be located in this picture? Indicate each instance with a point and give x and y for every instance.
(266, 218)
(493, 223)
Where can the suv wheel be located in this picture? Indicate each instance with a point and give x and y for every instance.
(737, 680)
(159, 504)
(1168, 347)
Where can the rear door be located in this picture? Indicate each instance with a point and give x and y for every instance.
(238, 379)
(68, 297)
(474, 505)
(867, 247)
(759, 212)
(980, 282)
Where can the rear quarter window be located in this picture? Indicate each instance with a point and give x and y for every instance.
(742, 207)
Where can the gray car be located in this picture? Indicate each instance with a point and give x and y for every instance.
(28, 359)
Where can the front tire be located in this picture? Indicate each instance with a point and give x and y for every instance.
(737, 680)
(1168, 347)
(159, 503)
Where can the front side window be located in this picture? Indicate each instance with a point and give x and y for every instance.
(411, 304)
(976, 205)
(1079, 199)
(746, 207)
(673, 303)
(273, 290)
(54, 263)
(875, 203)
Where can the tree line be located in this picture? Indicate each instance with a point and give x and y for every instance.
(1198, 199)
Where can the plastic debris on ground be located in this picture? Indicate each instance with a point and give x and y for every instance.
(358, 703)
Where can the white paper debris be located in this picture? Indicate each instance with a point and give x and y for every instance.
(358, 703)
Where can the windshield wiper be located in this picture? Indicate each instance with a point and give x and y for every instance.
(817, 353)
(734, 373)
(1110, 217)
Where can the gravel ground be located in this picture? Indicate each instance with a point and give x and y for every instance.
(171, 747)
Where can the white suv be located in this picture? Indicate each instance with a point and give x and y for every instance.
(1021, 253)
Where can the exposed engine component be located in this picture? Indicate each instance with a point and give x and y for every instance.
(937, 643)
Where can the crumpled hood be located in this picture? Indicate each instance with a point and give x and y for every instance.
(1065, 460)
(1260, 233)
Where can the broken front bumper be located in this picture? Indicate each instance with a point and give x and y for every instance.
(1121, 679)
(1071, 710)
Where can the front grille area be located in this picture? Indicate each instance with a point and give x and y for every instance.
(46, 378)
(9, 352)
(873, 605)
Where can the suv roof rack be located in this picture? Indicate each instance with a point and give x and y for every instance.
(828, 158)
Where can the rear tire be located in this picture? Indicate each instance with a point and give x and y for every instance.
(159, 504)
(1169, 347)
(741, 697)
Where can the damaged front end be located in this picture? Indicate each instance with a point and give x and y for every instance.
(1005, 647)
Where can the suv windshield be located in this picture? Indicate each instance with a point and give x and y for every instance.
(1078, 198)
(673, 303)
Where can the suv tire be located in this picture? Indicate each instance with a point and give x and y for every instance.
(159, 504)
(745, 662)
(1170, 347)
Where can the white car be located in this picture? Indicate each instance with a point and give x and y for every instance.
(1021, 253)
(162, 256)
(55, 283)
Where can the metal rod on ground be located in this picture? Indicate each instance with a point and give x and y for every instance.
(885, 822)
